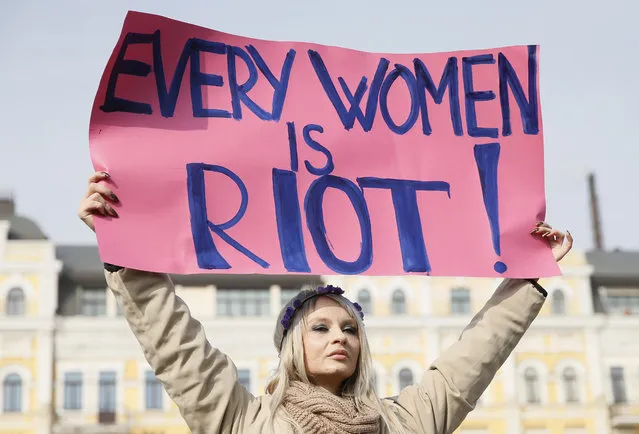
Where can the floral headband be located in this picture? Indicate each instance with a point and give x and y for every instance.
(287, 314)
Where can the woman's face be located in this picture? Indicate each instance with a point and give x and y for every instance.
(331, 344)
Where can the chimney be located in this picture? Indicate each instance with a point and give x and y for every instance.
(7, 207)
(594, 212)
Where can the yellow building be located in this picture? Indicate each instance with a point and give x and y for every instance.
(551, 384)
(103, 383)
(615, 287)
(28, 290)
(80, 370)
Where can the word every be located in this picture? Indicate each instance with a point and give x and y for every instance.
(418, 80)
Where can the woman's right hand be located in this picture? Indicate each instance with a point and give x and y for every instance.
(97, 200)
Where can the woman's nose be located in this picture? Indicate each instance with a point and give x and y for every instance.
(339, 336)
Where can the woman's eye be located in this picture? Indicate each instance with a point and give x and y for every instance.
(350, 330)
(319, 328)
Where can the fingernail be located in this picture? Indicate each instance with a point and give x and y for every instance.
(115, 213)
(106, 174)
(114, 198)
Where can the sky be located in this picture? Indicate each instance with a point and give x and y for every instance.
(52, 55)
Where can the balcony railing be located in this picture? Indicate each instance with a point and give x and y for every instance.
(625, 415)
(106, 417)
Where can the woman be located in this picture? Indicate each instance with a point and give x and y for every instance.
(323, 383)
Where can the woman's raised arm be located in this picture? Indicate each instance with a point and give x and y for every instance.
(452, 385)
(200, 379)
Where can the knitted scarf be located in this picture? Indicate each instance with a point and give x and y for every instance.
(318, 411)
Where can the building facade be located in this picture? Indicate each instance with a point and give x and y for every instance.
(551, 383)
(29, 272)
(69, 363)
(615, 288)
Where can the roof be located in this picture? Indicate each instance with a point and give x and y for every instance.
(82, 264)
(611, 267)
(20, 228)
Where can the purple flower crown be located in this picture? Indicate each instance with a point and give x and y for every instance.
(287, 319)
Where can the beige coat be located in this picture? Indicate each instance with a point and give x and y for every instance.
(203, 381)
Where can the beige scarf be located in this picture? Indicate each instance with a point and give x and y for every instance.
(318, 411)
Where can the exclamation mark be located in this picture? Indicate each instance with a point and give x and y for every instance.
(487, 159)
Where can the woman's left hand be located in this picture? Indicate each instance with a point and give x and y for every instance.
(555, 238)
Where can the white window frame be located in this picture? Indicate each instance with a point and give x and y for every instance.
(581, 381)
(413, 366)
(362, 282)
(90, 386)
(370, 300)
(144, 366)
(405, 300)
(16, 281)
(626, 382)
(27, 383)
(409, 296)
(542, 373)
(551, 297)
(468, 291)
(253, 368)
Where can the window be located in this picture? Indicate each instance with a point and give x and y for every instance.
(73, 391)
(460, 301)
(243, 302)
(244, 378)
(398, 304)
(286, 295)
(364, 300)
(107, 392)
(623, 302)
(531, 380)
(571, 391)
(12, 394)
(94, 302)
(15, 302)
(558, 303)
(618, 385)
(405, 378)
(153, 391)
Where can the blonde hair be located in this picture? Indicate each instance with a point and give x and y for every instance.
(291, 367)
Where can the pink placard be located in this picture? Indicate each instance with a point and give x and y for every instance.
(237, 155)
